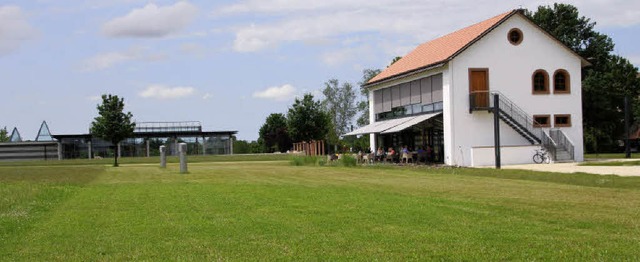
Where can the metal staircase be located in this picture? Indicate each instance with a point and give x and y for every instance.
(555, 142)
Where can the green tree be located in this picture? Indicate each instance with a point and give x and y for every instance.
(274, 134)
(112, 124)
(363, 105)
(395, 59)
(307, 121)
(339, 104)
(4, 135)
(605, 82)
(246, 147)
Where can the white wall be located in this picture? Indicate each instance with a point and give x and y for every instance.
(510, 71)
(509, 155)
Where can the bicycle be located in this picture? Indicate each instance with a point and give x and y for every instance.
(541, 156)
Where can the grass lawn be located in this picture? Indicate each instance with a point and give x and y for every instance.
(610, 155)
(612, 163)
(269, 210)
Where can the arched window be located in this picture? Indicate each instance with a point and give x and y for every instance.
(561, 82)
(540, 82)
(514, 36)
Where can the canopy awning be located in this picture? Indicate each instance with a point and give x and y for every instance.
(416, 120)
(392, 124)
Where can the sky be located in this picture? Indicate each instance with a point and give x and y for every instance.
(227, 64)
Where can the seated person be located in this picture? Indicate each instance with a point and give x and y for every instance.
(391, 154)
(379, 154)
(405, 154)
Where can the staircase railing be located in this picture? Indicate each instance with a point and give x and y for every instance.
(549, 145)
(562, 141)
(483, 100)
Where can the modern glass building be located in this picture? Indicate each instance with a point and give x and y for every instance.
(146, 140)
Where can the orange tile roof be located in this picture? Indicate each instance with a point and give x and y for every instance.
(441, 49)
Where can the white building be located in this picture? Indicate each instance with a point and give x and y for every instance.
(440, 95)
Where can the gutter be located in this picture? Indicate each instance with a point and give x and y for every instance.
(406, 74)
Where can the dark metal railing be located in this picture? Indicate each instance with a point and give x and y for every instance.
(562, 140)
(479, 100)
(483, 100)
(149, 127)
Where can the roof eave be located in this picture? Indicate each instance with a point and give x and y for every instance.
(406, 74)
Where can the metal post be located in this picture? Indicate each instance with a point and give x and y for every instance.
(89, 148)
(496, 128)
(627, 146)
(183, 157)
(148, 148)
(231, 145)
(175, 146)
(204, 146)
(59, 150)
(163, 156)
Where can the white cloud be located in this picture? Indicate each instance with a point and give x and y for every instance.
(307, 21)
(14, 29)
(110, 59)
(207, 96)
(152, 21)
(341, 56)
(278, 93)
(167, 92)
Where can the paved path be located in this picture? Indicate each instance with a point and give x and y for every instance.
(574, 168)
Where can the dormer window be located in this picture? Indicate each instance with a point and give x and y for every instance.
(515, 36)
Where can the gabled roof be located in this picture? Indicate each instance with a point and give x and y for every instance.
(443, 49)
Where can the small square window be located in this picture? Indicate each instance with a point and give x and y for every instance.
(541, 121)
(562, 120)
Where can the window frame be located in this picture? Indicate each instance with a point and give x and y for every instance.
(555, 120)
(546, 82)
(517, 30)
(567, 82)
(536, 124)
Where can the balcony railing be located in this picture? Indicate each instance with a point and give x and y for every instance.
(168, 127)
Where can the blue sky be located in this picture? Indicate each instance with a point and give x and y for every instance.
(228, 64)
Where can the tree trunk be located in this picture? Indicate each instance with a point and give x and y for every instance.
(115, 157)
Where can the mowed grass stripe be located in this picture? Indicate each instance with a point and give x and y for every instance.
(273, 211)
(30, 194)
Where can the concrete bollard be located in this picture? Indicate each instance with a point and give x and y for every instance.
(183, 157)
(163, 156)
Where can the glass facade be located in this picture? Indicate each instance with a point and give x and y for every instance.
(408, 110)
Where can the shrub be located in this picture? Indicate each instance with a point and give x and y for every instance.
(303, 160)
(348, 161)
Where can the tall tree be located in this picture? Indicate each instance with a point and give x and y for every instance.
(605, 82)
(4, 135)
(274, 134)
(112, 124)
(307, 121)
(363, 105)
(339, 103)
